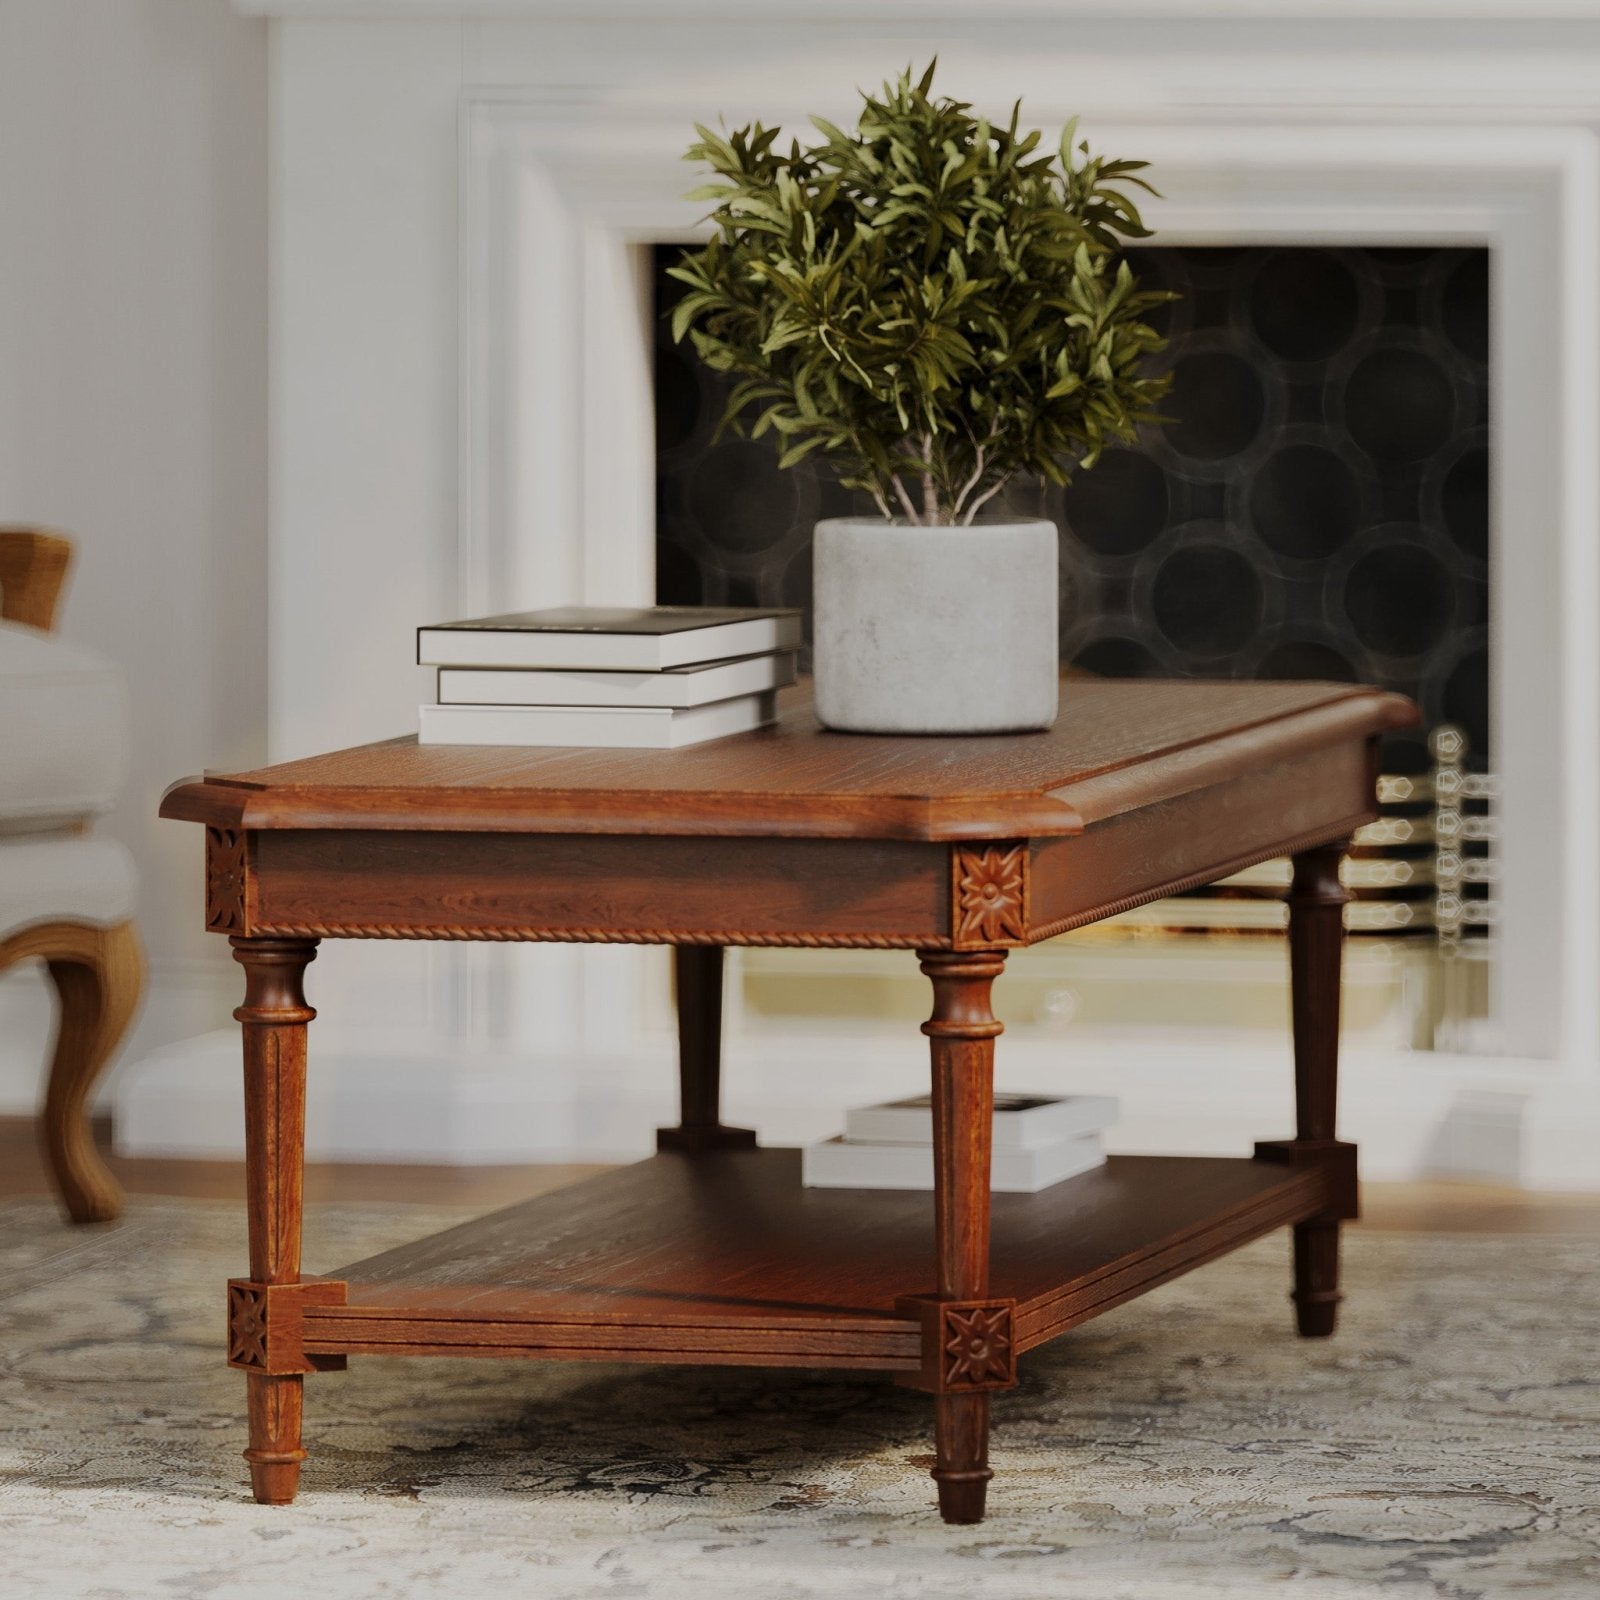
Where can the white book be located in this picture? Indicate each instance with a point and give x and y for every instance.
(608, 638)
(1021, 1121)
(696, 685)
(844, 1164)
(605, 727)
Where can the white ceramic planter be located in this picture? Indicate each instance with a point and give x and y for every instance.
(935, 630)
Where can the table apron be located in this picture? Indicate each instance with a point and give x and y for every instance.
(586, 888)
(1199, 837)
(869, 893)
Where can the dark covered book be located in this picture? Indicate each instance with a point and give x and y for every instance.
(608, 638)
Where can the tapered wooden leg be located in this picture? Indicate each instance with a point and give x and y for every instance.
(275, 1453)
(1316, 1278)
(962, 1031)
(274, 1017)
(697, 982)
(1316, 943)
(961, 1449)
(98, 974)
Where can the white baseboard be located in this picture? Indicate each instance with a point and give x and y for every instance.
(181, 999)
(1413, 1114)
(372, 1099)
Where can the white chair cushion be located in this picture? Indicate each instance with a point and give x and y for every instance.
(63, 730)
(63, 877)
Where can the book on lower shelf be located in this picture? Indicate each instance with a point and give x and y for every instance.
(842, 1163)
(1021, 1121)
(603, 727)
(1038, 1140)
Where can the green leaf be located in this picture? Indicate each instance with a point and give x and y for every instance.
(926, 277)
(798, 452)
(1068, 134)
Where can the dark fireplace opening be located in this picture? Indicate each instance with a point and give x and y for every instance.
(1318, 508)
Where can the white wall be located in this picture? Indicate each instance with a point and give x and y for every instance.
(459, 1059)
(133, 337)
(135, 259)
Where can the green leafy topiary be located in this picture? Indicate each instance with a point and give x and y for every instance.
(927, 300)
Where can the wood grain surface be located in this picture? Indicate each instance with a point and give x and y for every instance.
(1116, 746)
(273, 1019)
(961, 1035)
(1133, 857)
(960, 848)
(726, 1257)
(1317, 900)
(371, 883)
(697, 984)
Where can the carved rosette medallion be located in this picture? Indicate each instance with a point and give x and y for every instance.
(267, 1324)
(225, 879)
(990, 895)
(968, 1346)
(247, 1326)
(977, 1347)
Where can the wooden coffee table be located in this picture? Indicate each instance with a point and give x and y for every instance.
(712, 1251)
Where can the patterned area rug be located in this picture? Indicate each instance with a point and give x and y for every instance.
(1186, 1447)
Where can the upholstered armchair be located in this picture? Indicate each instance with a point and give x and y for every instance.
(66, 897)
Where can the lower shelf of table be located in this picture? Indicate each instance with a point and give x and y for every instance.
(727, 1259)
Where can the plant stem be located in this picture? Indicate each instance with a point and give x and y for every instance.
(930, 490)
(988, 494)
(979, 453)
(905, 499)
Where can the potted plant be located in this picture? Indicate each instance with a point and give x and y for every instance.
(936, 306)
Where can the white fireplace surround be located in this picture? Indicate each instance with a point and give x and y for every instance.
(557, 416)
(548, 154)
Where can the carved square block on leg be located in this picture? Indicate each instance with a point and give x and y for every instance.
(1336, 1157)
(267, 1325)
(968, 1346)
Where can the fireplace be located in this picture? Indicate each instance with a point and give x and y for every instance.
(465, 211)
(559, 498)
(1318, 508)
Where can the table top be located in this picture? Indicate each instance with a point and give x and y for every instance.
(1116, 747)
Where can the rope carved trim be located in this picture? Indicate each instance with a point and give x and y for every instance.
(801, 941)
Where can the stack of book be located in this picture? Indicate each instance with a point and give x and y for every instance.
(1039, 1140)
(652, 678)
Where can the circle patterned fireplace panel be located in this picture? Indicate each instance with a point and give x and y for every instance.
(1317, 508)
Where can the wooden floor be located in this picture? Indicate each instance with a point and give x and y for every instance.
(1433, 1207)
(22, 1171)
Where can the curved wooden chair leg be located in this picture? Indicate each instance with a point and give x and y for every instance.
(98, 975)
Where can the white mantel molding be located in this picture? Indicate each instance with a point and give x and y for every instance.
(803, 12)
(468, 415)
(559, 202)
